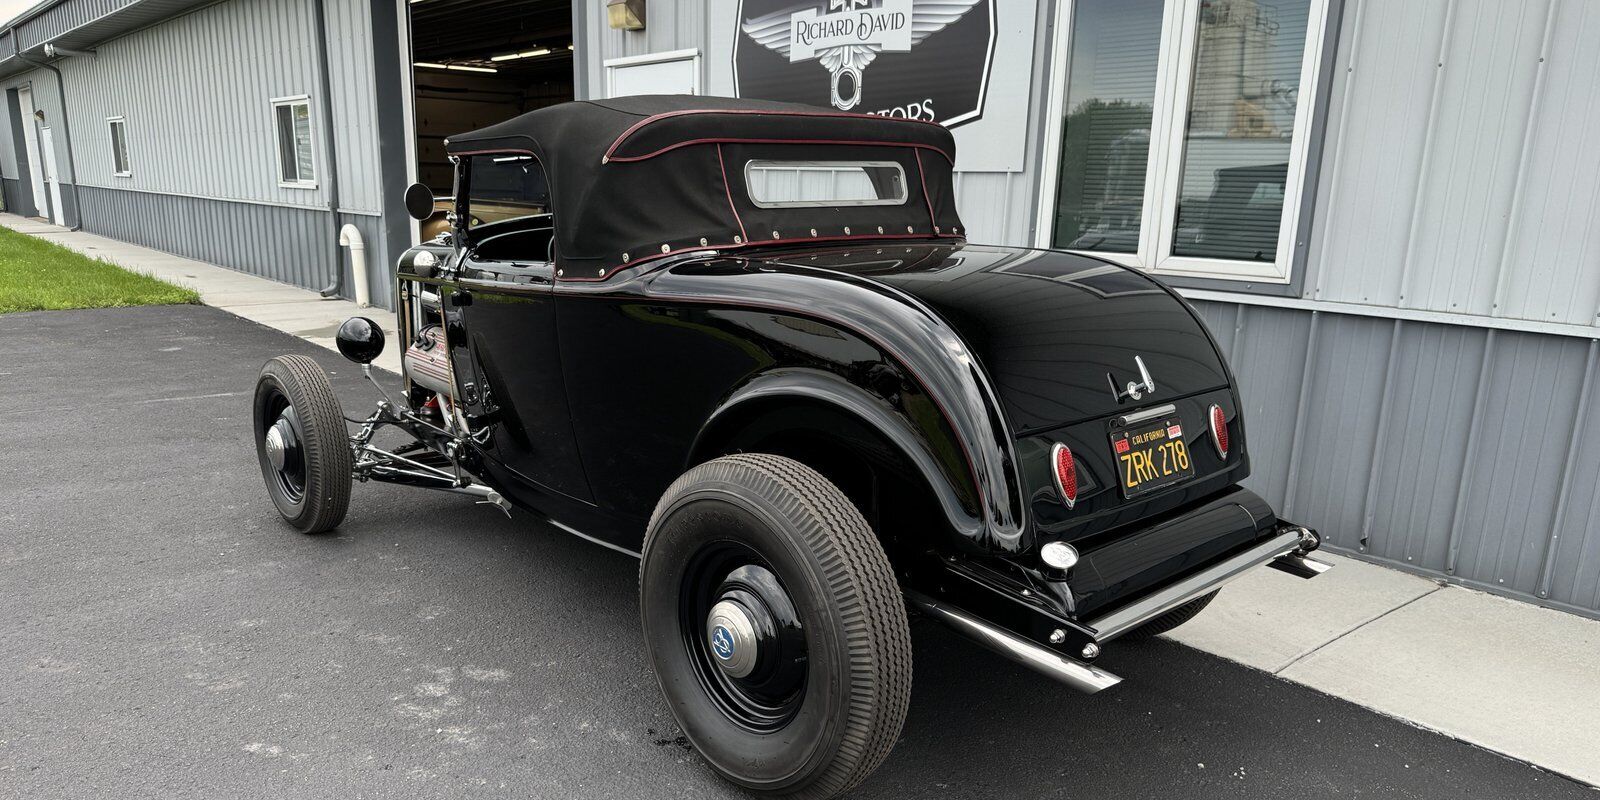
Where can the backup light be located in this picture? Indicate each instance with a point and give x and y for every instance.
(1059, 555)
(1066, 474)
(1219, 431)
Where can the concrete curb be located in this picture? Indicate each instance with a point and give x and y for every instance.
(1508, 676)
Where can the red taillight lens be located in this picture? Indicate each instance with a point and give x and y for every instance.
(1066, 474)
(1219, 431)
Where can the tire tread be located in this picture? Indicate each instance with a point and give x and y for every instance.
(328, 458)
(858, 572)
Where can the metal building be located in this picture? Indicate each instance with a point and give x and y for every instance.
(1386, 210)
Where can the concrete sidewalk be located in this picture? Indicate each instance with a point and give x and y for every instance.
(1511, 677)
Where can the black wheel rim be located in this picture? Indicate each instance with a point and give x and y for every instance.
(761, 693)
(279, 435)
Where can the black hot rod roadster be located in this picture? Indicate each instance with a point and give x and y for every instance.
(748, 343)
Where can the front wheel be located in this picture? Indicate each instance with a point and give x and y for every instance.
(776, 628)
(302, 443)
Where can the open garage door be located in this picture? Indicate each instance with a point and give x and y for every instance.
(478, 62)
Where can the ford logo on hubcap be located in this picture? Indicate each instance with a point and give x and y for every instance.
(722, 643)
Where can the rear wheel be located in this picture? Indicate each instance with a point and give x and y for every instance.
(776, 628)
(302, 443)
(1172, 619)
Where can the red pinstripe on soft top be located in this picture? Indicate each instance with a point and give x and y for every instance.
(610, 154)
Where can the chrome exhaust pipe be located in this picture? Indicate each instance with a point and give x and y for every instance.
(1083, 677)
(1298, 562)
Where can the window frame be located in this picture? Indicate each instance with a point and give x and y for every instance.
(812, 165)
(471, 237)
(1175, 66)
(284, 181)
(126, 167)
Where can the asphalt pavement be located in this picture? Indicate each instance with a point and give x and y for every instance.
(165, 635)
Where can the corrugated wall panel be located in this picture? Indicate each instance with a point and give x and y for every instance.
(1428, 407)
(1339, 415)
(1572, 565)
(1272, 394)
(277, 242)
(1470, 176)
(1526, 420)
(1436, 447)
(1462, 160)
(232, 59)
(1555, 236)
(63, 17)
(1380, 98)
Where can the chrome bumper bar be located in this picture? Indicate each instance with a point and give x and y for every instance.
(1083, 677)
(1286, 551)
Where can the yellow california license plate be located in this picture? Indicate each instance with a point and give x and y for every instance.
(1151, 457)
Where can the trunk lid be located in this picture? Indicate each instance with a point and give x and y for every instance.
(1053, 330)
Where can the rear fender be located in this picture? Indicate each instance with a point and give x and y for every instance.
(915, 441)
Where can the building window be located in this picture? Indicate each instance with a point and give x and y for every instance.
(1183, 133)
(119, 147)
(292, 116)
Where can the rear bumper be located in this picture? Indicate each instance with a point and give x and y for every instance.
(1021, 622)
(1288, 549)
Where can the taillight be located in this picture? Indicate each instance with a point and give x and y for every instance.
(1066, 474)
(1219, 431)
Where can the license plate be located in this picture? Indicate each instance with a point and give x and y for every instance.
(1151, 456)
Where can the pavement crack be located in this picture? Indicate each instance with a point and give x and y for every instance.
(1356, 627)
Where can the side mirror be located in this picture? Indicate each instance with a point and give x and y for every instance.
(360, 340)
(419, 201)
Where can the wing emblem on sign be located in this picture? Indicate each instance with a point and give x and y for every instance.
(894, 26)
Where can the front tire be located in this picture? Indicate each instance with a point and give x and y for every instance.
(776, 628)
(302, 443)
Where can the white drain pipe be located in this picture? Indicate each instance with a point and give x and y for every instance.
(350, 236)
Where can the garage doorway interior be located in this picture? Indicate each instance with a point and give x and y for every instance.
(478, 62)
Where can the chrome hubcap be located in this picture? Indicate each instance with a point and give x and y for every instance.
(276, 445)
(732, 638)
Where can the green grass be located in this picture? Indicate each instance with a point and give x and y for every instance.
(36, 275)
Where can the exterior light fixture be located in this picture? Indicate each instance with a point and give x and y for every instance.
(625, 15)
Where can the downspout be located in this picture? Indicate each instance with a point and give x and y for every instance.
(330, 147)
(66, 129)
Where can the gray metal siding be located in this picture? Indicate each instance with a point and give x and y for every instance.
(282, 243)
(1436, 447)
(63, 17)
(196, 93)
(1465, 150)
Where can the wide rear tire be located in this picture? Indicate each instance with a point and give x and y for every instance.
(302, 443)
(775, 625)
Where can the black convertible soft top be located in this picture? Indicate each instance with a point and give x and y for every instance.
(637, 178)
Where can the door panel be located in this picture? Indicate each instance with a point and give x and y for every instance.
(47, 143)
(30, 140)
(520, 393)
